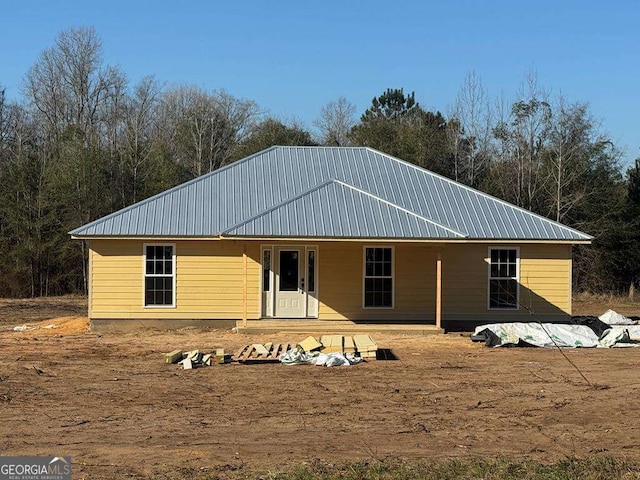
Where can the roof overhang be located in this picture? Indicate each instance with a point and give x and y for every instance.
(343, 239)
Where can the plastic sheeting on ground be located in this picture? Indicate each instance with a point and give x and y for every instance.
(621, 335)
(613, 318)
(552, 335)
(295, 357)
(538, 335)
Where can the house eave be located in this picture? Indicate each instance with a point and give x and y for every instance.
(336, 239)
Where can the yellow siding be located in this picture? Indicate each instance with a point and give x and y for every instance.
(545, 283)
(209, 280)
(341, 283)
(210, 276)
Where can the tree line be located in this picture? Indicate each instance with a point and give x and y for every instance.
(83, 142)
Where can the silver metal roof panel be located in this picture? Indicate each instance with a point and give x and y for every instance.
(255, 194)
(339, 210)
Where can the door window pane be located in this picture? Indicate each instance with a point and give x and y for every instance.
(266, 270)
(289, 261)
(311, 275)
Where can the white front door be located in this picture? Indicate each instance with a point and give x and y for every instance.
(290, 296)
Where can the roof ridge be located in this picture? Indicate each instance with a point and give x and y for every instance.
(483, 194)
(281, 204)
(344, 184)
(428, 220)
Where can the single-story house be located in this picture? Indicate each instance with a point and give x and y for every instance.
(328, 233)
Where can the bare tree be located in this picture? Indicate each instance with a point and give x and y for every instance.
(470, 131)
(335, 122)
(573, 139)
(203, 127)
(140, 109)
(522, 138)
(69, 86)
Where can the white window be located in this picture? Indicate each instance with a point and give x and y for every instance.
(503, 279)
(378, 277)
(159, 275)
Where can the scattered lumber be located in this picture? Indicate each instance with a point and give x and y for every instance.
(365, 346)
(362, 345)
(332, 343)
(261, 349)
(349, 345)
(196, 358)
(249, 354)
(173, 357)
(309, 344)
(221, 357)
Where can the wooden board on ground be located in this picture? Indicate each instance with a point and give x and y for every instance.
(349, 345)
(364, 343)
(248, 354)
(365, 346)
(332, 343)
(261, 349)
(309, 344)
(173, 357)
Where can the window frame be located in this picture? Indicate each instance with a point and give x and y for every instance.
(392, 277)
(516, 278)
(145, 275)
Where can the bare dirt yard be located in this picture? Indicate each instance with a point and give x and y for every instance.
(111, 403)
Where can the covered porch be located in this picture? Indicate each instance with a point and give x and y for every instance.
(341, 286)
(413, 286)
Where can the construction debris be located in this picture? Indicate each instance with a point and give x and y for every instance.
(309, 344)
(195, 358)
(249, 354)
(332, 343)
(331, 351)
(27, 328)
(221, 357)
(173, 357)
(334, 359)
(362, 345)
(365, 346)
(261, 349)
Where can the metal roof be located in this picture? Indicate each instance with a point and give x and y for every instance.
(326, 192)
(362, 216)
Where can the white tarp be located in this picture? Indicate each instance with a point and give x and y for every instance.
(613, 318)
(542, 335)
(561, 335)
(295, 357)
(618, 335)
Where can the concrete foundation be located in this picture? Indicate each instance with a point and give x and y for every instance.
(105, 325)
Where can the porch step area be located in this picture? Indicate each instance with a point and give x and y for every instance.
(319, 327)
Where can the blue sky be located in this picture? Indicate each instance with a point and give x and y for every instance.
(292, 57)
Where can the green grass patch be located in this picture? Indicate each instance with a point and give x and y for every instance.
(596, 468)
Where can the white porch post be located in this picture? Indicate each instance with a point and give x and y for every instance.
(439, 290)
(244, 286)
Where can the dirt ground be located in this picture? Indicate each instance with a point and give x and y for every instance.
(111, 403)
